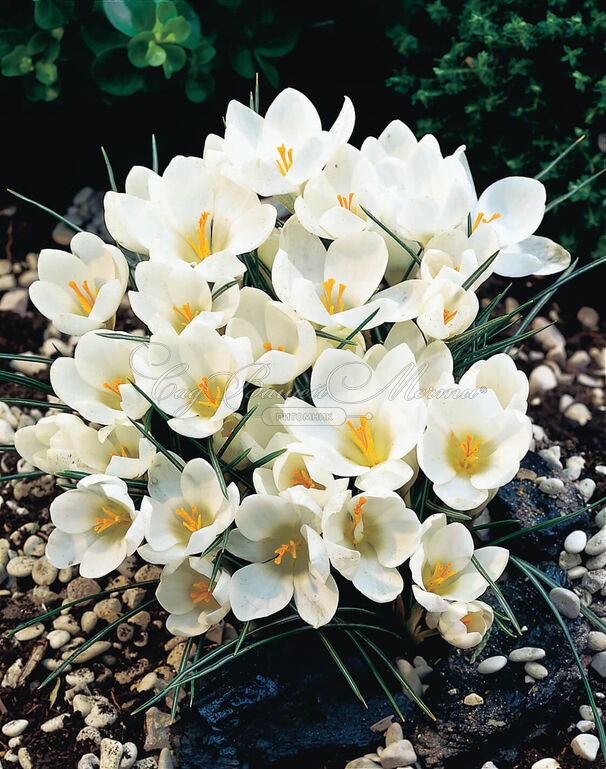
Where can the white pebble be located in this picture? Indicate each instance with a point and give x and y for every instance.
(597, 543)
(31, 632)
(542, 379)
(536, 670)
(600, 517)
(15, 727)
(585, 746)
(596, 641)
(588, 317)
(473, 699)
(585, 726)
(566, 602)
(575, 542)
(58, 638)
(492, 665)
(578, 413)
(527, 654)
(576, 572)
(551, 455)
(54, 724)
(598, 663)
(551, 486)
(546, 763)
(587, 487)
(111, 753)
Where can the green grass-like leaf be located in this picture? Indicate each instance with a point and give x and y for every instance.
(47, 210)
(178, 463)
(498, 594)
(236, 430)
(110, 171)
(392, 234)
(182, 665)
(342, 667)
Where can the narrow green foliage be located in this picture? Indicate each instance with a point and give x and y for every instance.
(182, 666)
(236, 430)
(342, 667)
(498, 594)
(392, 234)
(36, 404)
(561, 156)
(480, 271)
(26, 381)
(178, 463)
(480, 647)
(47, 210)
(110, 171)
(19, 476)
(154, 154)
(352, 334)
(217, 468)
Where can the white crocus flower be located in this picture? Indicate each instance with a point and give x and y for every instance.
(500, 374)
(95, 381)
(364, 420)
(297, 468)
(281, 536)
(80, 291)
(278, 153)
(117, 449)
(197, 377)
(514, 207)
(442, 569)
(191, 213)
(434, 360)
(367, 537)
(283, 344)
(463, 624)
(185, 511)
(337, 286)
(171, 296)
(192, 602)
(471, 445)
(97, 526)
(447, 309)
(454, 256)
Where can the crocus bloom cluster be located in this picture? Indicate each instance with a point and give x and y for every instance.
(307, 370)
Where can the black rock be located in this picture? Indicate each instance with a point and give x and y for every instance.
(521, 499)
(287, 706)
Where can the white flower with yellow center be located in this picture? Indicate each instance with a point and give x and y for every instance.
(454, 256)
(364, 420)
(283, 344)
(514, 208)
(367, 537)
(192, 601)
(185, 511)
(471, 445)
(97, 526)
(278, 153)
(281, 536)
(80, 291)
(442, 569)
(447, 309)
(499, 374)
(197, 377)
(337, 285)
(171, 296)
(63, 442)
(96, 381)
(191, 213)
(296, 468)
(463, 624)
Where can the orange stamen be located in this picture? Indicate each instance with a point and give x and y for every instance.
(113, 387)
(302, 478)
(191, 521)
(212, 401)
(448, 316)
(440, 574)
(268, 347)
(470, 451)
(480, 219)
(357, 512)
(283, 549)
(203, 593)
(345, 202)
(327, 296)
(112, 518)
(186, 313)
(86, 298)
(285, 161)
(202, 249)
(122, 453)
(362, 437)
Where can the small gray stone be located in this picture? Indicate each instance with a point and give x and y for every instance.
(492, 665)
(577, 572)
(67, 622)
(587, 487)
(88, 621)
(527, 654)
(600, 517)
(24, 758)
(34, 545)
(54, 724)
(473, 699)
(88, 761)
(594, 580)
(89, 733)
(31, 632)
(394, 733)
(21, 566)
(398, 754)
(15, 727)
(567, 602)
(102, 715)
(596, 562)
(596, 641)
(99, 647)
(58, 638)
(157, 729)
(596, 545)
(569, 560)
(166, 760)
(586, 746)
(129, 755)
(43, 572)
(588, 317)
(536, 670)
(575, 542)
(598, 663)
(111, 753)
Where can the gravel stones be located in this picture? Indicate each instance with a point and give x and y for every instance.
(595, 546)
(567, 602)
(473, 699)
(596, 641)
(536, 670)
(43, 572)
(81, 587)
(58, 638)
(598, 663)
(575, 542)
(31, 632)
(492, 665)
(96, 649)
(22, 566)
(398, 754)
(586, 746)
(15, 727)
(527, 654)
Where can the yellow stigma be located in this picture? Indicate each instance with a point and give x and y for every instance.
(112, 517)
(345, 202)
(186, 313)
(469, 452)
(302, 478)
(192, 521)
(448, 316)
(123, 452)
(202, 248)
(114, 385)
(84, 295)
(283, 549)
(211, 400)
(362, 437)
(480, 219)
(201, 592)
(440, 574)
(327, 297)
(268, 347)
(285, 161)
(357, 517)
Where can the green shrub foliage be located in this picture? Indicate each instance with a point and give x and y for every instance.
(128, 46)
(517, 82)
